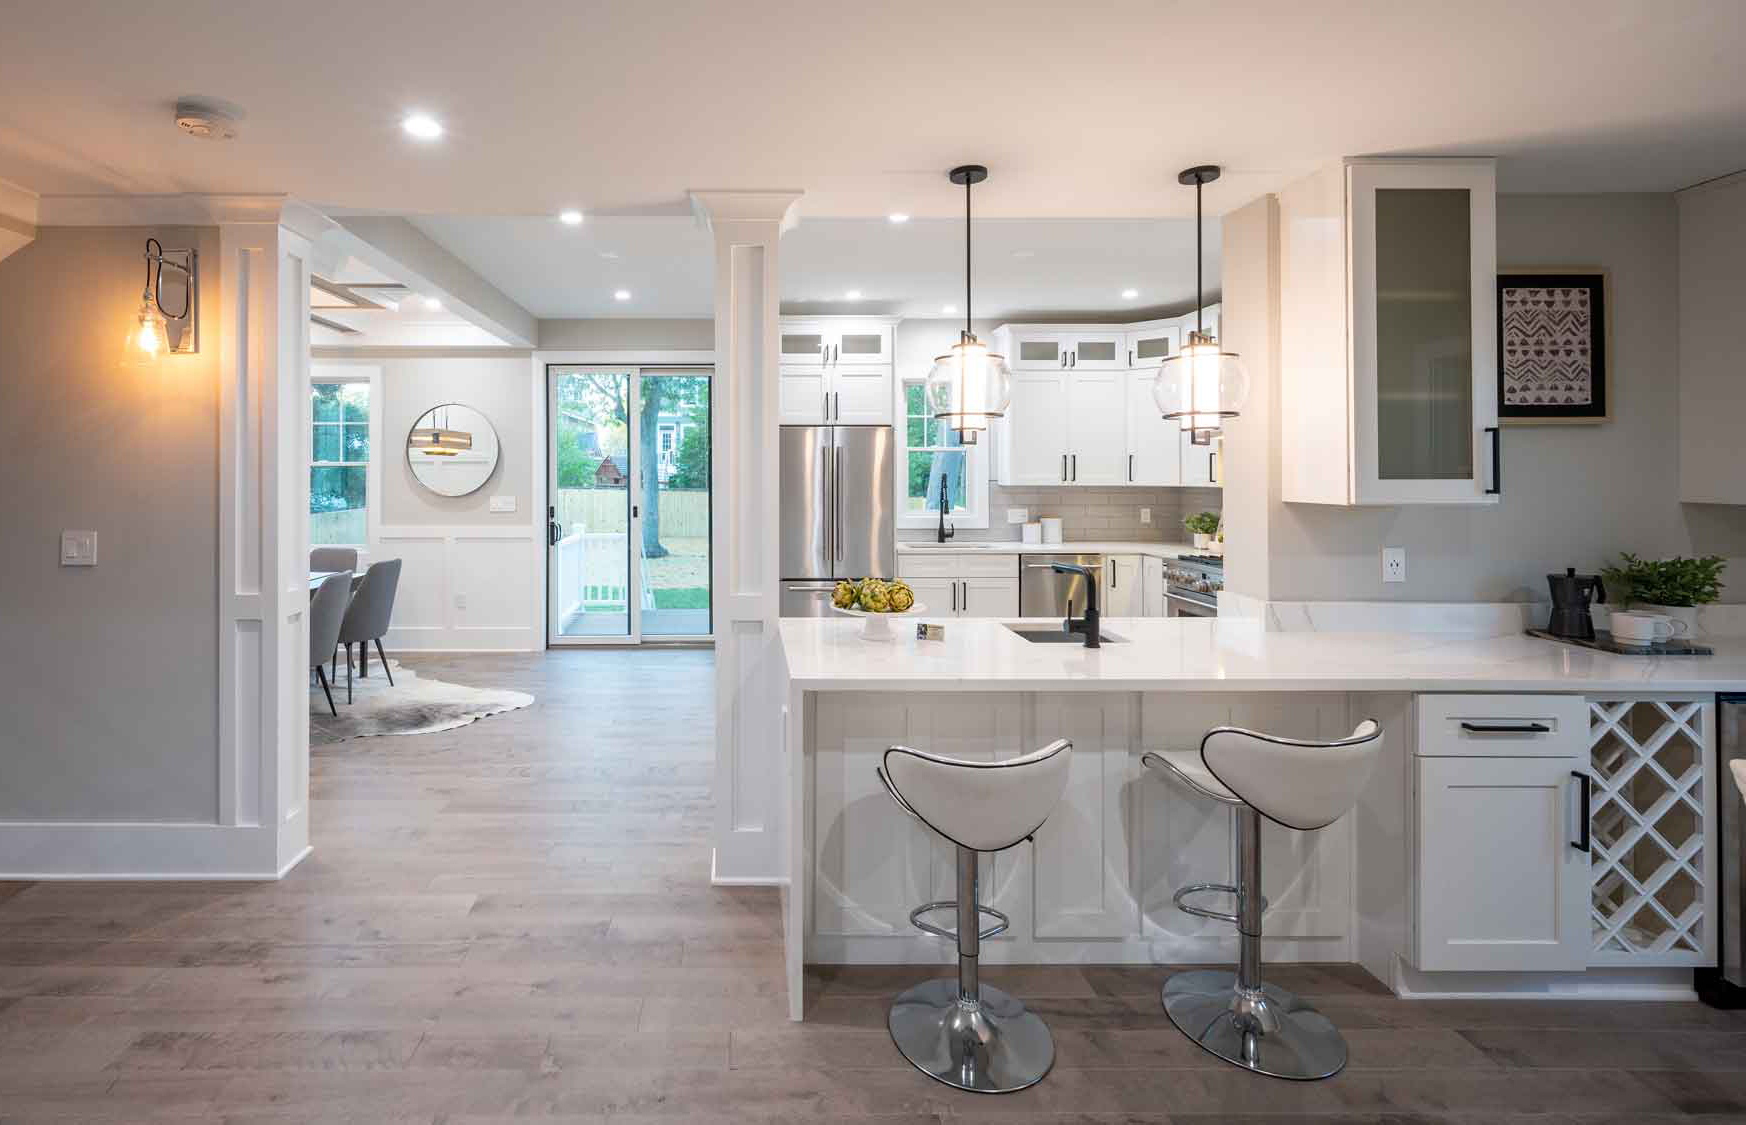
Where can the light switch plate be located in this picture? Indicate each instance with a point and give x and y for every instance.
(1394, 564)
(78, 548)
(1018, 515)
(503, 503)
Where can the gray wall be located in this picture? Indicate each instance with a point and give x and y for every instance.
(628, 333)
(500, 389)
(109, 687)
(1574, 495)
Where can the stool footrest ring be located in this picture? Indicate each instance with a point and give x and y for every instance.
(1201, 911)
(915, 918)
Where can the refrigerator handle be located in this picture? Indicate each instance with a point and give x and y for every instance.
(836, 505)
(824, 483)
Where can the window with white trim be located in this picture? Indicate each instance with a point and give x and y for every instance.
(339, 462)
(932, 455)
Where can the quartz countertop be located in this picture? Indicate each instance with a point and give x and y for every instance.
(1086, 547)
(1208, 654)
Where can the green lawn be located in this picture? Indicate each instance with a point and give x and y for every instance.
(683, 597)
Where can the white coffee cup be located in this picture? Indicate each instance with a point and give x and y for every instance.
(1634, 628)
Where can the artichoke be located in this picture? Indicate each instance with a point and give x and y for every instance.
(874, 598)
(900, 596)
(843, 597)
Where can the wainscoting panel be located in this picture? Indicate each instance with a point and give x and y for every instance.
(464, 588)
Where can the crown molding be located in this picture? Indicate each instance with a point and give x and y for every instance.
(713, 207)
(181, 209)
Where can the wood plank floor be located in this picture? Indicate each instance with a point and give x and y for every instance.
(514, 920)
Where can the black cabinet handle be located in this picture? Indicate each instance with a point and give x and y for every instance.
(1506, 728)
(1075, 466)
(1496, 488)
(1063, 468)
(1211, 474)
(1583, 844)
(1130, 468)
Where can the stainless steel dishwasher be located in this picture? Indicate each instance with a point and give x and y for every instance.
(1044, 592)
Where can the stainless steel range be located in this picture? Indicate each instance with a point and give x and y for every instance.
(1192, 584)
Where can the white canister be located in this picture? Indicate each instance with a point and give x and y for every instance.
(1033, 532)
(1051, 529)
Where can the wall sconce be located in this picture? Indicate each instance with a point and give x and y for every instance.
(157, 331)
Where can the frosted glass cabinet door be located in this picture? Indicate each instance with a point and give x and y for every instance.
(1424, 329)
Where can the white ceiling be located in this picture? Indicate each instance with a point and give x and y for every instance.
(1023, 267)
(621, 106)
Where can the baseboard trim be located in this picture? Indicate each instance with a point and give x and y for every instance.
(740, 881)
(48, 852)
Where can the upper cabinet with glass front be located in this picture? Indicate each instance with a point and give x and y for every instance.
(1388, 334)
(835, 371)
(836, 341)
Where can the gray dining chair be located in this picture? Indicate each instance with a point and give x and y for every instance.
(333, 558)
(326, 610)
(368, 616)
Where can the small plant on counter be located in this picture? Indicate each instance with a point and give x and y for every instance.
(1202, 523)
(1678, 582)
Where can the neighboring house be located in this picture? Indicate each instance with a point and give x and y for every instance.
(609, 475)
(670, 431)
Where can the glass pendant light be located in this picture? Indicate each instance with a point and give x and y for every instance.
(969, 384)
(1202, 384)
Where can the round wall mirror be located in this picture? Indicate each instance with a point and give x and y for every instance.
(452, 449)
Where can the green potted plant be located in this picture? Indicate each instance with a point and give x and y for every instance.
(1675, 587)
(1203, 526)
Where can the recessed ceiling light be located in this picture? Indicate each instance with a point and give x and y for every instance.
(852, 295)
(1024, 253)
(897, 217)
(570, 218)
(948, 310)
(621, 294)
(423, 126)
(432, 303)
(609, 255)
(1130, 294)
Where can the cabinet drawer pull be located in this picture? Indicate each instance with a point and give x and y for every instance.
(1063, 467)
(954, 597)
(1506, 728)
(1496, 488)
(1582, 843)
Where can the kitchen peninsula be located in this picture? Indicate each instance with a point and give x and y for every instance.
(1480, 793)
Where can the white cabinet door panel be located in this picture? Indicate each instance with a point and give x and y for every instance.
(940, 595)
(988, 597)
(1122, 589)
(862, 395)
(1036, 351)
(1198, 461)
(1501, 884)
(1097, 421)
(1154, 442)
(1034, 438)
(801, 396)
(1097, 351)
(1082, 884)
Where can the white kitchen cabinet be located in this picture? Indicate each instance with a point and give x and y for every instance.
(962, 583)
(1388, 334)
(1153, 342)
(1096, 349)
(1154, 442)
(836, 341)
(1123, 587)
(1033, 436)
(1083, 859)
(1097, 427)
(1152, 583)
(1503, 862)
(1200, 463)
(1502, 882)
(1063, 348)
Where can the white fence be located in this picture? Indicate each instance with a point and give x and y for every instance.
(594, 574)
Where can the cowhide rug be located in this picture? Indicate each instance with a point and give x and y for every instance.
(413, 704)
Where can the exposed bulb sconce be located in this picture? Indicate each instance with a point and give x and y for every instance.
(157, 331)
(1202, 385)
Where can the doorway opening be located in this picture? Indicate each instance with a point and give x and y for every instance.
(629, 504)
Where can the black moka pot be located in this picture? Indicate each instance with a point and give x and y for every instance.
(1572, 594)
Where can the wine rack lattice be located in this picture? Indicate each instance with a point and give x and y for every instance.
(1652, 822)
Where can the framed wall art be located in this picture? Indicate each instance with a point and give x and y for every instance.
(1554, 345)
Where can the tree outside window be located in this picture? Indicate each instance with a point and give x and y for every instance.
(339, 463)
(933, 453)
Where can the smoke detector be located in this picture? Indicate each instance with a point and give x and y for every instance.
(205, 121)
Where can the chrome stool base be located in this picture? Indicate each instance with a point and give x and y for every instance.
(995, 1046)
(1274, 1033)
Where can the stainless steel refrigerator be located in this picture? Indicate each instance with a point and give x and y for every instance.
(1724, 986)
(837, 511)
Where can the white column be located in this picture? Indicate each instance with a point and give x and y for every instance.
(750, 763)
(263, 638)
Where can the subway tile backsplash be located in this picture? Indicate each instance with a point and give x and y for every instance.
(1092, 513)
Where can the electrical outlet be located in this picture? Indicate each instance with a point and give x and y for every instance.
(1018, 515)
(78, 548)
(1394, 564)
(460, 601)
(1145, 515)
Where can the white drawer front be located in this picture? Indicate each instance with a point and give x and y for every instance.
(988, 566)
(956, 564)
(1502, 726)
(934, 564)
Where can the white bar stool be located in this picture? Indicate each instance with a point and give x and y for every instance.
(962, 1032)
(1301, 785)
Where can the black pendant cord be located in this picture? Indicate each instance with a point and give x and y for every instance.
(967, 332)
(1199, 299)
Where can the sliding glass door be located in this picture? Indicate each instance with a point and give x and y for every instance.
(628, 518)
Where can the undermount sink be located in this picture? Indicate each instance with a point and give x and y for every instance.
(1054, 635)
